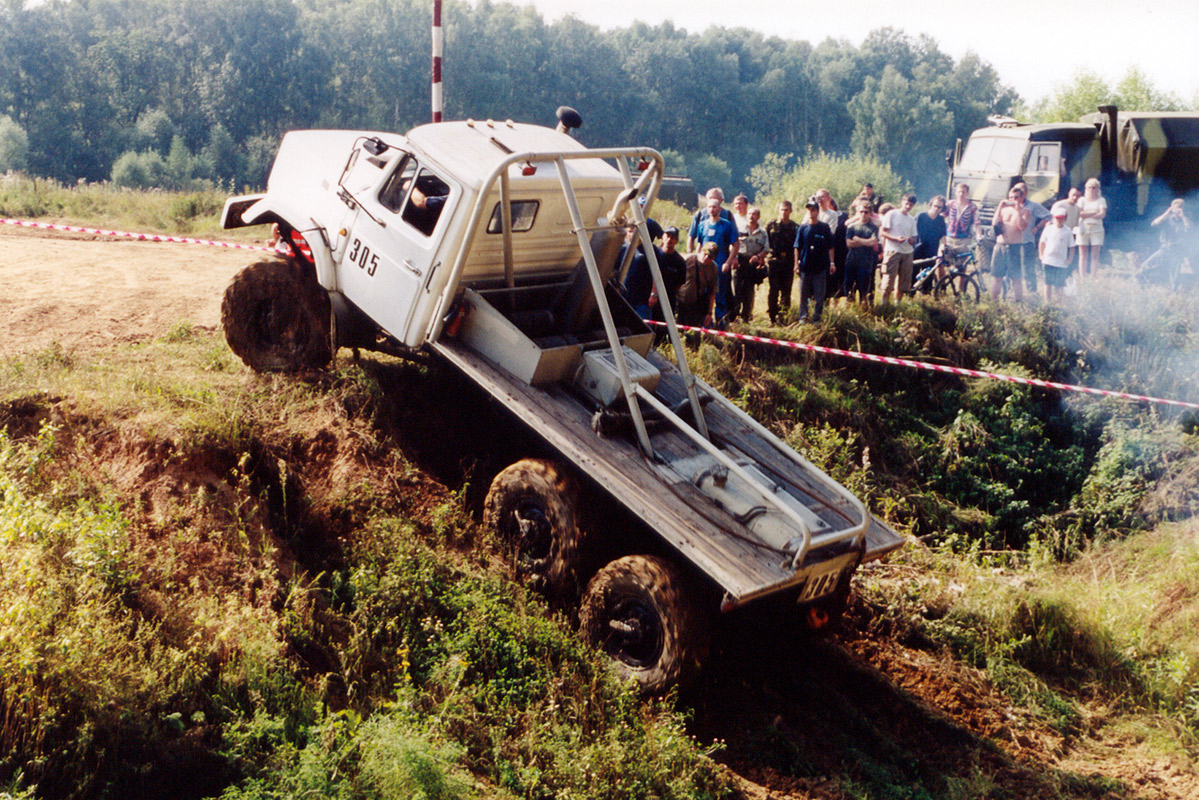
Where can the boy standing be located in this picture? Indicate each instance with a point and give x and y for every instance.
(1056, 250)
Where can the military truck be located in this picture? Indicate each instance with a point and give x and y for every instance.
(1144, 159)
(494, 247)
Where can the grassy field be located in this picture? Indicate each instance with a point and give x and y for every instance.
(223, 584)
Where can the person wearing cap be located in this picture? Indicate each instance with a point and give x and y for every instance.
(696, 299)
(875, 200)
(813, 262)
(639, 280)
(674, 270)
(1056, 250)
(780, 262)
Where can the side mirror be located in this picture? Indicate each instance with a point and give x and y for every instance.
(375, 146)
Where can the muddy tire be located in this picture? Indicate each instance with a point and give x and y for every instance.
(640, 611)
(276, 318)
(533, 507)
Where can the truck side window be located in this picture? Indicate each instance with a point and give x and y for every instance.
(391, 196)
(523, 214)
(425, 204)
(1043, 158)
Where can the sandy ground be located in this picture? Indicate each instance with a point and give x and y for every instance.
(87, 291)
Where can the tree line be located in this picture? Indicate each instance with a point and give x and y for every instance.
(167, 92)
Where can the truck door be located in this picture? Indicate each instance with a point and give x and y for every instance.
(391, 249)
(1043, 168)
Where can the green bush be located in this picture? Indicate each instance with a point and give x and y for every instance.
(144, 170)
(14, 145)
(775, 179)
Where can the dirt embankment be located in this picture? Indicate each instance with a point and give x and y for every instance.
(793, 713)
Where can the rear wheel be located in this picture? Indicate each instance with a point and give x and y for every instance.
(956, 287)
(637, 611)
(533, 507)
(276, 318)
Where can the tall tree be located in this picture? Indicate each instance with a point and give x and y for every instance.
(897, 124)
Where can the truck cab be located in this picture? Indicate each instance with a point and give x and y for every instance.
(1049, 158)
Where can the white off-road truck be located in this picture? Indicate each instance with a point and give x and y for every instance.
(495, 246)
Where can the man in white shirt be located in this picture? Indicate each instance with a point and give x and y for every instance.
(828, 215)
(899, 238)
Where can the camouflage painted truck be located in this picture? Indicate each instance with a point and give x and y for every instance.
(494, 246)
(1144, 159)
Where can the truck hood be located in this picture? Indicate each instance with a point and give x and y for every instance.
(312, 161)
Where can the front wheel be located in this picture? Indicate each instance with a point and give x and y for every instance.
(957, 287)
(276, 318)
(637, 611)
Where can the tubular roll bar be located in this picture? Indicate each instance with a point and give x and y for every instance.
(651, 178)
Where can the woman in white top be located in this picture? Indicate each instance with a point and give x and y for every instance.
(1092, 209)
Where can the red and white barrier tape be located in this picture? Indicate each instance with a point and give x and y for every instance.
(140, 237)
(967, 373)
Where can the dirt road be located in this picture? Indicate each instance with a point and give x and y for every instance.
(86, 291)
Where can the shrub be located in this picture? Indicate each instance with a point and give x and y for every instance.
(14, 145)
(140, 170)
(843, 176)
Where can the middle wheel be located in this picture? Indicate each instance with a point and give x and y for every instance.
(533, 507)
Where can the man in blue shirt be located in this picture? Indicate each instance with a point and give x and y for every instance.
(814, 244)
(702, 213)
(715, 228)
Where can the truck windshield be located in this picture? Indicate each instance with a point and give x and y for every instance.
(993, 155)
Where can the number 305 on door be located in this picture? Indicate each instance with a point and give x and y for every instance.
(361, 255)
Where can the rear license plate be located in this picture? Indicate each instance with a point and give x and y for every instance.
(819, 584)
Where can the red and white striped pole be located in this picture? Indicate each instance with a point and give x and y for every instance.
(437, 47)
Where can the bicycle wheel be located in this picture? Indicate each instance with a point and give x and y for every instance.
(959, 287)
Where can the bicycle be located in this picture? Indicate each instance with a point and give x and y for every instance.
(925, 281)
(962, 281)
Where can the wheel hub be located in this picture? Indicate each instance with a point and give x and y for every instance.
(636, 633)
(534, 532)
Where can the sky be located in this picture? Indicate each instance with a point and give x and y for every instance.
(1034, 45)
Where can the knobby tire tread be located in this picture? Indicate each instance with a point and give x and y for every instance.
(661, 585)
(554, 490)
(276, 317)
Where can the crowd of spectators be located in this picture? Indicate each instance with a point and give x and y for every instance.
(872, 251)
